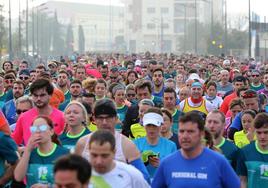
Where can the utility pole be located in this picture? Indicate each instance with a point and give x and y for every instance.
(162, 34)
(249, 29)
(195, 36)
(33, 30)
(19, 45)
(184, 41)
(9, 33)
(225, 28)
(27, 27)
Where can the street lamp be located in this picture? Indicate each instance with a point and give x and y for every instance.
(10, 51)
(249, 28)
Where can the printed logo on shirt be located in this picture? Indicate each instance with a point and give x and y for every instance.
(189, 175)
(264, 171)
(42, 173)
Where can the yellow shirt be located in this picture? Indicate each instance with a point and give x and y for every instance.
(241, 139)
(201, 108)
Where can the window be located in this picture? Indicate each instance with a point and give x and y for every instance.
(150, 26)
(164, 10)
(150, 10)
(165, 25)
(178, 26)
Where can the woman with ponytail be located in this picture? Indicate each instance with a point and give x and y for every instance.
(75, 115)
(42, 149)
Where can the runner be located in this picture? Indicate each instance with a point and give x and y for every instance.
(41, 151)
(193, 165)
(253, 158)
(106, 171)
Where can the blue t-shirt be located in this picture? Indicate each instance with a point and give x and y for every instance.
(163, 148)
(69, 141)
(40, 169)
(209, 169)
(9, 110)
(237, 124)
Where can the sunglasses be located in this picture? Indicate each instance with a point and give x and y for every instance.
(255, 75)
(113, 78)
(23, 78)
(41, 128)
(18, 111)
(9, 81)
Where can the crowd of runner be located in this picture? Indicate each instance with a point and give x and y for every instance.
(150, 120)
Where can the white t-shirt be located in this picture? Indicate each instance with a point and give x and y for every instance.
(122, 176)
(216, 102)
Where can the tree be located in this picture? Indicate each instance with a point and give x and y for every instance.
(3, 32)
(57, 41)
(81, 39)
(69, 40)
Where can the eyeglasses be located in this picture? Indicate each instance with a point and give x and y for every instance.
(41, 128)
(18, 111)
(131, 95)
(23, 78)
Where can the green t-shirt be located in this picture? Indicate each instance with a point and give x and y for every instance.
(69, 141)
(175, 121)
(229, 150)
(253, 163)
(40, 169)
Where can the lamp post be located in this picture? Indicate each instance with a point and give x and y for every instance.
(195, 34)
(27, 31)
(249, 28)
(10, 51)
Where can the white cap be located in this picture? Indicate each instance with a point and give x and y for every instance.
(138, 62)
(105, 63)
(226, 62)
(152, 119)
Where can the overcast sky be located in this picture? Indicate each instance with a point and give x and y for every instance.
(233, 6)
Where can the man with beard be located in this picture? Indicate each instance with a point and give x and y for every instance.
(9, 109)
(41, 91)
(158, 83)
(62, 84)
(194, 165)
(215, 123)
(196, 102)
(75, 91)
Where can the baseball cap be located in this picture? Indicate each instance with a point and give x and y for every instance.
(239, 79)
(152, 118)
(226, 62)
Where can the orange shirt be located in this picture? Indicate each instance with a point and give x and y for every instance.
(226, 102)
(4, 126)
(56, 98)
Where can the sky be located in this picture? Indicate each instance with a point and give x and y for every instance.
(233, 6)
